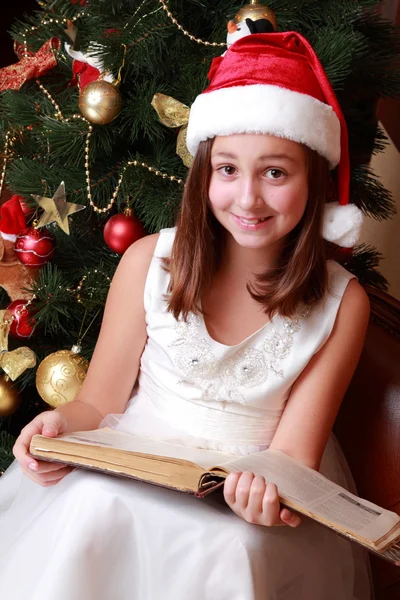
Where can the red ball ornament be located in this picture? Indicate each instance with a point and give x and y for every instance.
(34, 247)
(122, 230)
(23, 322)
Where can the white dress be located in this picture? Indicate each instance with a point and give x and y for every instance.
(98, 537)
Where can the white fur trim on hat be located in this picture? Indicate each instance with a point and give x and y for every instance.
(265, 109)
(11, 237)
(342, 224)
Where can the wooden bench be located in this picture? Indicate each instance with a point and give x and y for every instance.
(368, 424)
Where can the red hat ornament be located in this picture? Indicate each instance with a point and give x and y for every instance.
(12, 219)
(15, 278)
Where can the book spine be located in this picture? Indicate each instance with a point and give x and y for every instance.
(204, 491)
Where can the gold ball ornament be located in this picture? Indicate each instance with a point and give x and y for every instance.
(256, 11)
(60, 375)
(100, 102)
(9, 398)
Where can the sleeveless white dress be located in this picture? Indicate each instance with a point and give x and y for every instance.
(97, 537)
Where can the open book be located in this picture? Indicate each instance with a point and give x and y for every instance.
(200, 472)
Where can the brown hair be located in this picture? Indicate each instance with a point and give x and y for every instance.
(301, 275)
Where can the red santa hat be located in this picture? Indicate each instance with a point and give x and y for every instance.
(12, 219)
(87, 67)
(274, 83)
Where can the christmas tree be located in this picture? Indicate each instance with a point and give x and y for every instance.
(92, 128)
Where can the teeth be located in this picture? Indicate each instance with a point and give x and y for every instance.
(253, 221)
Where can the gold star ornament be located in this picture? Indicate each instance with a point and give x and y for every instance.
(13, 362)
(57, 209)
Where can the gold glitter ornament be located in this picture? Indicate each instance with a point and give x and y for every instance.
(100, 102)
(173, 113)
(60, 375)
(256, 11)
(13, 362)
(9, 398)
(181, 147)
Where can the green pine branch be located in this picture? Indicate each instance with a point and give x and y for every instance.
(6, 456)
(364, 263)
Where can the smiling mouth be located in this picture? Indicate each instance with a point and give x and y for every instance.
(250, 221)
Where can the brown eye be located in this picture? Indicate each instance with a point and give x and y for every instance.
(228, 170)
(275, 173)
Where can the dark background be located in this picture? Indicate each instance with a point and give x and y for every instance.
(12, 10)
(388, 110)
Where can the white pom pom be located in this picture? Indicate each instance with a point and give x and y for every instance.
(342, 224)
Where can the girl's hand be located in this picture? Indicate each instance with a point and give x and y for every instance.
(50, 424)
(256, 501)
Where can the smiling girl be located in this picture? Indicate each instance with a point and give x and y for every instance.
(231, 332)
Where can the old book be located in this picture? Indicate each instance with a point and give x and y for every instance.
(201, 472)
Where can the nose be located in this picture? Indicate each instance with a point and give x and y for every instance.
(232, 27)
(250, 197)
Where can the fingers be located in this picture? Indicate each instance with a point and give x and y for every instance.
(230, 488)
(290, 518)
(49, 423)
(54, 423)
(243, 491)
(46, 479)
(21, 446)
(237, 491)
(45, 467)
(271, 506)
(254, 507)
(256, 501)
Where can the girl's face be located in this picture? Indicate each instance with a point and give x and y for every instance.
(259, 187)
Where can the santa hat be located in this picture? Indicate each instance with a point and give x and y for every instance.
(12, 219)
(274, 83)
(87, 67)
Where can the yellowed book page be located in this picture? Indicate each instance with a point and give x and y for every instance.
(110, 438)
(315, 493)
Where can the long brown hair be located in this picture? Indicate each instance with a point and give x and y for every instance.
(301, 275)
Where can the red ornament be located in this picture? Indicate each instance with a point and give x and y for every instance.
(23, 322)
(83, 74)
(345, 254)
(28, 211)
(34, 247)
(122, 230)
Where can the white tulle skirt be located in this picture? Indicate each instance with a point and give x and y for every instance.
(98, 537)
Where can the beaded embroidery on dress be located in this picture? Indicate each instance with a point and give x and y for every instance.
(247, 367)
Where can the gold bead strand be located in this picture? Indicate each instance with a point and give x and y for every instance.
(189, 35)
(5, 158)
(58, 114)
(88, 183)
(81, 283)
(18, 312)
(46, 21)
(134, 163)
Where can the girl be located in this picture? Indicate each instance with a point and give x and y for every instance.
(235, 334)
